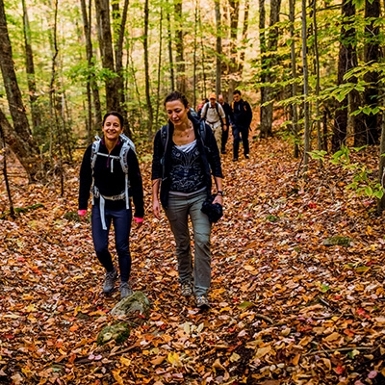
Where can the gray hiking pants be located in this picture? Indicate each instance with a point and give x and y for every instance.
(180, 208)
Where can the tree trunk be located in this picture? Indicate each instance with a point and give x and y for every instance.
(19, 138)
(318, 117)
(35, 111)
(233, 62)
(372, 55)
(267, 63)
(195, 50)
(203, 57)
(293, 109)
(244, 36)
(305, 89)
(147, 69)
(170, 51)
(381, 173)
(120, 20)
(347, 59)
(107, 53)
(159, 71)
(179, 47)
(218, 71)
(5, 173)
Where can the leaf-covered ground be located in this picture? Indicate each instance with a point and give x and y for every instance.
(287, 309)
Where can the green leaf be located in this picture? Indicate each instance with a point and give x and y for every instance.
(245, 305)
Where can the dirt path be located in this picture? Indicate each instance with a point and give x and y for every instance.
(286, 308)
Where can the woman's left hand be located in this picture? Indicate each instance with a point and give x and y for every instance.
(218, 199)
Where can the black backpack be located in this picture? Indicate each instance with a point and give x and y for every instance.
(203, 117)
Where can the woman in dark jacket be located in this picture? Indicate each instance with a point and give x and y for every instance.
(184, 161)
(111, 171)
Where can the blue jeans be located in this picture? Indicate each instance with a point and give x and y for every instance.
(239, 131)
(180, 208)
(122, 226)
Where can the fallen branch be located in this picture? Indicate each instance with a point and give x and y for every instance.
(338, 350)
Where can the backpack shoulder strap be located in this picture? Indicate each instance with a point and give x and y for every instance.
(204, 110)
(202, 131)
(164, 136)
(94, 151)
(217, 108)
(127, 145)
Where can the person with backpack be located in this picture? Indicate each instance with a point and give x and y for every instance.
(212, 113)
(185, 159)
(110, 171)
(241, 120)
(228, 113)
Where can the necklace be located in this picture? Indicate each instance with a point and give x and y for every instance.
(185, 133)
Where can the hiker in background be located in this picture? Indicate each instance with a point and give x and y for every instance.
(241, 120)
(200, 106)
(225, 132)
(185, 155)
(213, 114)
(110, 170)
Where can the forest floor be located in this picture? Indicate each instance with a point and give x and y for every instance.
(286, 308)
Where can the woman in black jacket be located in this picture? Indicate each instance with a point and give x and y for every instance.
(184, 159)
(110, 171)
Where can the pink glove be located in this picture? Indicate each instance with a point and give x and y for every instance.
(138, 220)
(81, 213)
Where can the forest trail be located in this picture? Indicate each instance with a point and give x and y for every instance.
(286, 308)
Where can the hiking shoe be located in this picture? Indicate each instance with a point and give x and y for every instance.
(202, 302)
(109, 281)
(125, 290)
(187, 289)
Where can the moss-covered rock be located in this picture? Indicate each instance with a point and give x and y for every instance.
(337, 240)
(135, 307)
(118, 332)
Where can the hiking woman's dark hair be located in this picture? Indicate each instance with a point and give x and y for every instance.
(176, 95)
(114, 113)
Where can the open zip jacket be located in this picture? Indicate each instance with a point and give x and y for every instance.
(161, 161)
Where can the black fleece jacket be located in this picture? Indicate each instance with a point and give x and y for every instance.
(210, 159)
(111, 183)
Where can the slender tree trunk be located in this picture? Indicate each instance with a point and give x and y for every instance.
(268, 63)
(53, 108)
(218, 47)
(3, 149)
(381, 202)
(94, 85)
(305, 89)
(107, 53)
(21, 141)
(195, 63)
(263, 50)
(293, 109)
(87, 34)
(147, 69)
(372, 55)
(35, 111)
(203, 56)
(234, 60)
(317, 74)
(120, 19)
(244, 36)
(159, 68)
(179, 48)
(347, 59)
(170, 51)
